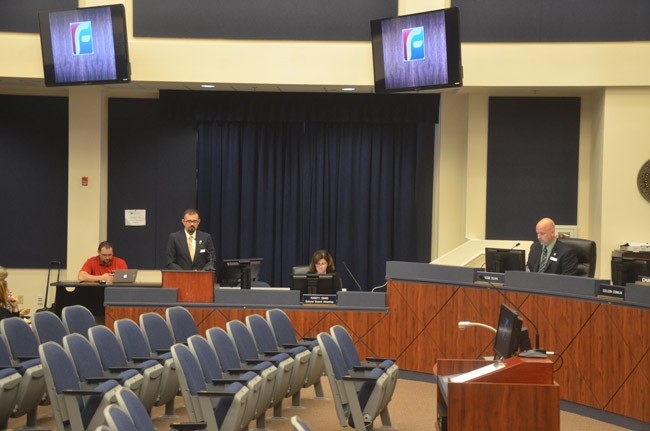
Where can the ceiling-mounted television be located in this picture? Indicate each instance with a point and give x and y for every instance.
(417, 52)
(85, 46)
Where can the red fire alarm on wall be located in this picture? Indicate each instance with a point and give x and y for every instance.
(84, 181)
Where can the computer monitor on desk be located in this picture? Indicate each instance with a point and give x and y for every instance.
(314, 284)
(627, 270)
(504, 259)
(239, 272)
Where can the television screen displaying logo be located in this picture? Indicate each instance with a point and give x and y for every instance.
(82, 38)
(413, 41)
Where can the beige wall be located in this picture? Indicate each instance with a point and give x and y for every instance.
(611, 78)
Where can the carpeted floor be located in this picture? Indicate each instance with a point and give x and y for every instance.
(413, 408)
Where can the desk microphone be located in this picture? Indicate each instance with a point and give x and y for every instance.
(515, 246)
(351, 275)
(486, 279)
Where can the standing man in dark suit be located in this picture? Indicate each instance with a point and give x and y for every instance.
(190, 249)
(549, 254)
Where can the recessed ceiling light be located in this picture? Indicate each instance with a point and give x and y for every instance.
(207, 85)
(348, 89)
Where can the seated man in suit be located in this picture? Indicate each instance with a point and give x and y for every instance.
(190, 249)
(549, 254)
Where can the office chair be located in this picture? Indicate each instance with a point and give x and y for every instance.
(586, 251)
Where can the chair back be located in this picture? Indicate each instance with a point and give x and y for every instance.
(244, 340)
(83, 355)
(300, 269)
(19, 338)
(282, 327)
(262, 332)
(348, 349)
(586, 251)
(157, 332)
(77, 319)
(181, 323)
(132, 339)
(117, 419)
(225, 348)
(48, 326)
(107, 346)
(131, 404)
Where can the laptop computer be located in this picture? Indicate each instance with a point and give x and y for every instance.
(124, 276)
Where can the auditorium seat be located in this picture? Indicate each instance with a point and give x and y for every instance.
(233, 365)
(137, 349)
(47, 326)
(71, 410)
(113, 358)
(268, 345)
(20, 350)
(222, 410)
(77, 319)
(586, 251)
(285, 335)
(215, 379)
(247, 349)
(359, 397)
(181, 323)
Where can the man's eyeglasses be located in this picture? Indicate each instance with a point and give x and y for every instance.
(191, 221)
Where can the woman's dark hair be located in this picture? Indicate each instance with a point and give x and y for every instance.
(322, 254)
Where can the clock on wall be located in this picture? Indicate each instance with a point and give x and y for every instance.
(643, 180)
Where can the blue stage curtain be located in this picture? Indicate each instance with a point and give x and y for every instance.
(280, 191)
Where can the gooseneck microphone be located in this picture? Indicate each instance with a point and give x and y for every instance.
(515, 246)
(486, 279)
(351, 275)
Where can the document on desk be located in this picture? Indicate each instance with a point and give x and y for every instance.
(462, 378)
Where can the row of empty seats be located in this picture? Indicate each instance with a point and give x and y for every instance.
(228, 378)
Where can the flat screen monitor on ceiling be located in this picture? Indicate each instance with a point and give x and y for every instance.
(417, 52)
(85, 46)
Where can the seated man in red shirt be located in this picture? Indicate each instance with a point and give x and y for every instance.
(100, 268)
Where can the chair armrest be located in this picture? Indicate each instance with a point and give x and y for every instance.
(161, 351)
(228, 381)
(363, 367)
(292, 345)
(76, 392)
(309, 338)
(255, 361)
(26, 358)
(120, 369)
(95, 380)
(376, 359)
(271, 353)
(359, 378)
(215, 394)
(188, 426)
(243, 370)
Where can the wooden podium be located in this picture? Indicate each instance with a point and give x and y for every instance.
(193, 286)
(522, 395)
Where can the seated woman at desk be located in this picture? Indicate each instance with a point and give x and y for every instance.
(8, 301)
(323, 263)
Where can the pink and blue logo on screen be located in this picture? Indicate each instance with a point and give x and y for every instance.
(413, 41)
(82, 38)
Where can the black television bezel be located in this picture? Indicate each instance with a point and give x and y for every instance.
(620, 265)
(506, 341)
(453, 44)
(120, 48)
(230, 271)
(325, 283)
(510, 253)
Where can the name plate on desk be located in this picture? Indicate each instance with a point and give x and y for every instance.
(316, 299)
(610, 291)
(489, 277)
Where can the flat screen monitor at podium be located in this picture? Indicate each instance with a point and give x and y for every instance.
(506, 341)
(504, 259)
(323, 284)
(239, 272)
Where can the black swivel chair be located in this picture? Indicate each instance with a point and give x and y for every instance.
(586, 251)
